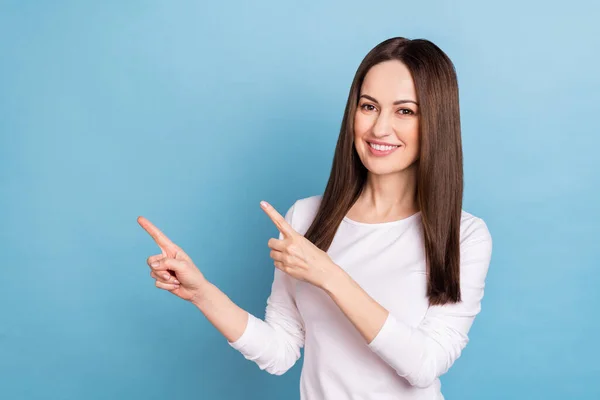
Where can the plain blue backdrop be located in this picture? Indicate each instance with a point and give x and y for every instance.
(190, 113)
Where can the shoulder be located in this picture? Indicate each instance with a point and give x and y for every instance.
(475, 237)
(302, 213)
(473, 229)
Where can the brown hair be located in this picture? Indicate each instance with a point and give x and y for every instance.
(440, 164)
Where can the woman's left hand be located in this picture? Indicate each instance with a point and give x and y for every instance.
(298, 257)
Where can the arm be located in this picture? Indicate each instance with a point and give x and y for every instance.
(224, 314)
(274, 344)
(423, 353)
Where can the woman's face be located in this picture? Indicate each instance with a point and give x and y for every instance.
(386, 123)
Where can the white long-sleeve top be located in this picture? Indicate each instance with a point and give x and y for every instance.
(416, 344)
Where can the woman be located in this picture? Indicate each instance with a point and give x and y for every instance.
(381, 277)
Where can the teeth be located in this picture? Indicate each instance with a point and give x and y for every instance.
(381, 147)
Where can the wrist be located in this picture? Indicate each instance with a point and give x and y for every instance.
(201, 293)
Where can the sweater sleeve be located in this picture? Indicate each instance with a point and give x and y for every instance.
(274, 344)
(421, 354)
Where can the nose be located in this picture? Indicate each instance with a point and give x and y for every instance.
(382, 127)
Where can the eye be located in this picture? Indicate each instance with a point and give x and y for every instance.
(406, 111)
(368, 107)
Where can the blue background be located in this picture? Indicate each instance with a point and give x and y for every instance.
(190, 113)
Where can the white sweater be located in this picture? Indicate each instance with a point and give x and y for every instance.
(416, 344)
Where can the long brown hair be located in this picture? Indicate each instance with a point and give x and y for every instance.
(440, 164)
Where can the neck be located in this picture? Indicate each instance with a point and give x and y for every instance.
(391, 194)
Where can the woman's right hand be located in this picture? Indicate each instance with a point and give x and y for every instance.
(173, 269)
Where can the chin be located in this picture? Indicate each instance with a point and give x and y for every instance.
(389, 168)
(384, 171)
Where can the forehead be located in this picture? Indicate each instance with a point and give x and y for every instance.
(389, 81)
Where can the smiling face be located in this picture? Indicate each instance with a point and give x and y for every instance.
(386, 122)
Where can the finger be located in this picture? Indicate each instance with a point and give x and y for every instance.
(277, 255)
(154, 258)
(277, 219)
(168, 264)
(160, 238)
(164, 277)
(276, 244)
(279, 265)
(166, 286)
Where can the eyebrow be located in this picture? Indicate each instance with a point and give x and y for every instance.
(366, 96)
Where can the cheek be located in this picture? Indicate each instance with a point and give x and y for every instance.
(361, 129)
(410, 134)
(361, 125)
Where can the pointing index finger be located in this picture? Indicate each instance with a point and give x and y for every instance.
(160, 238)
(280, 222)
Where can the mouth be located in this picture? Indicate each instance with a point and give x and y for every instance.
(382, 150)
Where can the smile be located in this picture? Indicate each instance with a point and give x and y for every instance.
(381, 150)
